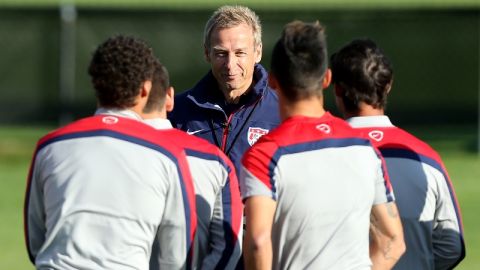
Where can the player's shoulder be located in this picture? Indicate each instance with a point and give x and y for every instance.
(342, 127)
(188, 141)
(118, 127)
(398, 139)
(194, 145)
(95, 124)
(412, 141)
(266, 145)
(421, 146)
(304, 128)
(200, 148)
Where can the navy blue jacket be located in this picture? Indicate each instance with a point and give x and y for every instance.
(202, 111)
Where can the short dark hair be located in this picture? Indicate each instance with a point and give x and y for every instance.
(160, 84)
(364, 74)
(118, 69)
(299, 60)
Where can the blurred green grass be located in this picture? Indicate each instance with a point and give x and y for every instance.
(16, 148)
(456, 145)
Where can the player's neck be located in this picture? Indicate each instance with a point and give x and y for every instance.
(310, 107)
(154, 114)
(140, 103)
(365, 110)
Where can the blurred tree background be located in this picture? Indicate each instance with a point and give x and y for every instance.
(45, 51)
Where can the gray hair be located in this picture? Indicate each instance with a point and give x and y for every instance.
(231, 16)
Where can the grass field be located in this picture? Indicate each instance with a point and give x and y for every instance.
(17, 143)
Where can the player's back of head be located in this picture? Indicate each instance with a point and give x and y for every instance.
(363, 73)
(118, 68)
(299, 60)
(160, 86)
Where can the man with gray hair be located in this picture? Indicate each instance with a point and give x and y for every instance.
(232, 106)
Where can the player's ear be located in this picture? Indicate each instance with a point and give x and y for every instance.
(170, 99)
(142, 98)
(327, 79)
(273, 82)
(389, 86)
(338, 90)
(146, 88)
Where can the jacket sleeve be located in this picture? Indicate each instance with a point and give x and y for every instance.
(448, 243)
(34, 213)
(225, 229)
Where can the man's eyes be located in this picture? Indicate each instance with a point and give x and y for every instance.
(224, 54)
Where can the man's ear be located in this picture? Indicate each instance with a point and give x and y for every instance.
(258, 54)
(206, 53)
(327, 78)
(170, 99)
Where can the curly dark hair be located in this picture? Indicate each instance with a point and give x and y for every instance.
(118, 68)
(364, 73)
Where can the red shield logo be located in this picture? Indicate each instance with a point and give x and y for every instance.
(324, 128)
(376, 135)
(110, 120)
(254, 133)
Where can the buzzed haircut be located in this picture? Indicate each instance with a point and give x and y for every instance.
(231, 16)
(160, 84)
(364, 74)
(118, 69)
(299, 60)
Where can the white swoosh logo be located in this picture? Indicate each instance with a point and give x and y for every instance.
(193, 132)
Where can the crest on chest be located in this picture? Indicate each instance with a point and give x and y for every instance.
(254, 133)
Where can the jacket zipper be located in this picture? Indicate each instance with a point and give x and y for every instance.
(226, 130)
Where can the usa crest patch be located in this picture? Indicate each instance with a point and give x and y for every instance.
(254, 133)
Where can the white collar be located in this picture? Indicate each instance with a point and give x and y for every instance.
(370, 121)
(119, 112)
(158, 123)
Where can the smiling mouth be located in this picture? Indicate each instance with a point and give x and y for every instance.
(230, 77)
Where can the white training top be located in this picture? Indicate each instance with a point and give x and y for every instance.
(425, 196)
(219, 207)
(103, 190)
(325, 179)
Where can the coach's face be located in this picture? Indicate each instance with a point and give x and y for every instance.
(232, 56)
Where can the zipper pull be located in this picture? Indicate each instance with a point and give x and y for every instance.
(226, 125)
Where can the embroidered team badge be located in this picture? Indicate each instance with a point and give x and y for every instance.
(254, 133)
(324, 128)
(110, 120)
(376, 135)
